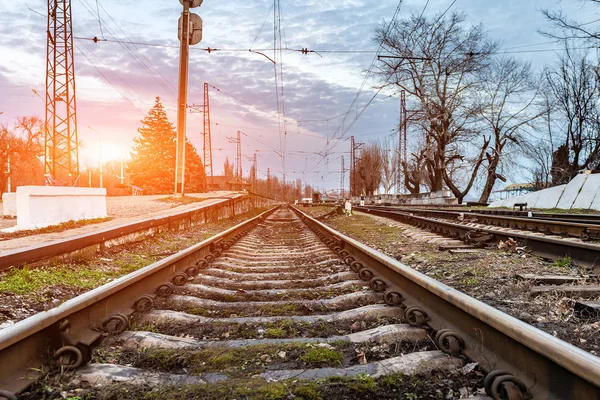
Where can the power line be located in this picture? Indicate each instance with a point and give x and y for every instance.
(143, 55)
(144, 66)
(243, 101)
(108, 80)
(262, 26)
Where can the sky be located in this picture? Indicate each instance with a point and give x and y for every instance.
(117, 81)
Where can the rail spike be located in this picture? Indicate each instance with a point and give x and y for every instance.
(180, 279)
(144, 304)
(502, 385)
(415, 316)
(165, 289)
(393, 298)
(366, 274)
(115, 324)
(449, 342)
(378, 284)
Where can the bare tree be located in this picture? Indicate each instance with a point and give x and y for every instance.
(507, 97)
(569, 29)
(574, 84)
(437, 63)
(539, 157)
(23, 144)
(414, 170)
(389, 162)
(228, 168)
(369, 169)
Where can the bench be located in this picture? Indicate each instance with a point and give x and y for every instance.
(520, 205)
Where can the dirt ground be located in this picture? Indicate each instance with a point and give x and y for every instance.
(489, 276)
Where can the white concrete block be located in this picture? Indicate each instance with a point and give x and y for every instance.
(509, 202)
(571, 192)
(41, 206)
(548, 198)
(9, 204)
(531, 198)
(596, 202)
(588, 192)
(496, 204)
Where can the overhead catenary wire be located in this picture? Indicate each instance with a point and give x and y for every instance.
(146, 66)
(107, 79)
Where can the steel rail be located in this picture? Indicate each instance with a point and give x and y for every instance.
(582, 253)
(549, 367)
(567, 217)
(82, 321)
(20, 257)
(579, 229)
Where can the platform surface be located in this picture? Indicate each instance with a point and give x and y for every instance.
(122, 210)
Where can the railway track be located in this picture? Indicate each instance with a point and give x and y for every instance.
(284, 306)
(547, 238)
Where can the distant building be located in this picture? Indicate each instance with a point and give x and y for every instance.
(515, 189)
(225, 183)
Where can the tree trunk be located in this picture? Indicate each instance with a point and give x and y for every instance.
(490, 181)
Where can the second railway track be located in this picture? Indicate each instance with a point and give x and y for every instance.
(280, 307)
(548, 238)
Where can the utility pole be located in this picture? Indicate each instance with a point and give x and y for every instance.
(207, 140)
(122, 177)
(269, 182)
(255, 173)
(342, 194)
(101, 163)
(238, 158)
(353, 159)
(402, 153)
(8, 166)
(61, 156)
(352, 164)
(190, 33)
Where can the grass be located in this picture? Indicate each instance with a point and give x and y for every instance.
(234, 362)
(322, 356)
(88, 274)
(394, 386)
(565, 263)
(24, 280)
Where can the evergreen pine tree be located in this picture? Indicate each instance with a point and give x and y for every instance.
(152, 164)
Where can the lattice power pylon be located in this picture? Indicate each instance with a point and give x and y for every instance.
(61, 158)
(402, 152)
(353, 161)
(207, 140)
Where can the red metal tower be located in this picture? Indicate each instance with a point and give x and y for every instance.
(61, 157)
(207, 140)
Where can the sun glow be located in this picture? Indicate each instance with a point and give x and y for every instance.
(93, 155)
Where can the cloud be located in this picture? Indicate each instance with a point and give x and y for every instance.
(119, 82)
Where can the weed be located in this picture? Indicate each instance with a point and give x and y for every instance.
(321, 356)
(564, 263)
(275, 333)
(469, 281)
